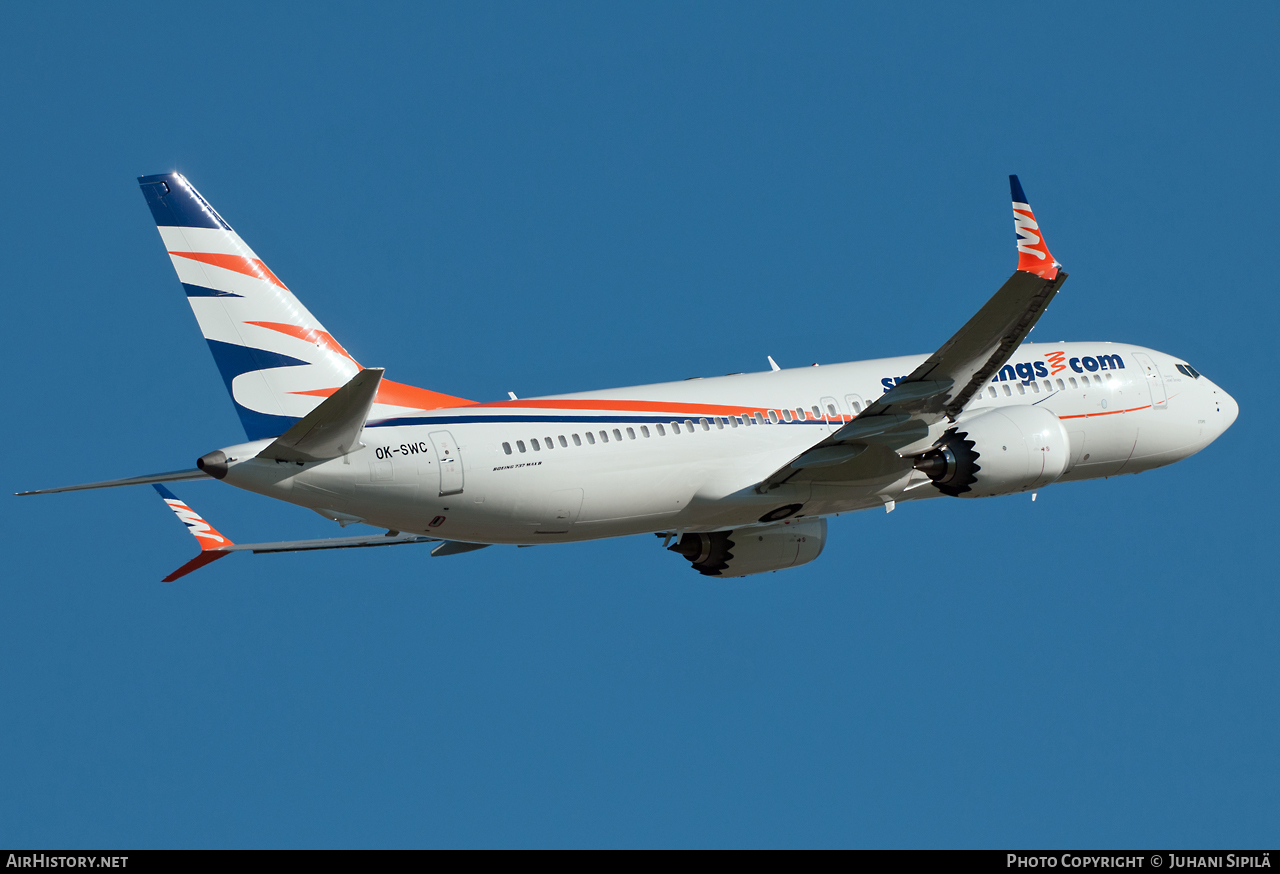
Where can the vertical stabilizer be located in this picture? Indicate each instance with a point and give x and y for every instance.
(277, 360)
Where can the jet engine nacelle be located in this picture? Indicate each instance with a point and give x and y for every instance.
(1014, 449)
(745, 551)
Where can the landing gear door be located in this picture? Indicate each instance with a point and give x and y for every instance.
(1155, 382)
(450, 461)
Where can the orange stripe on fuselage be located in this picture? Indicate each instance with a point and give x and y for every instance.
(396, 394)
(631, 407)
(237, 263)
(1107, 413)
(667, 407)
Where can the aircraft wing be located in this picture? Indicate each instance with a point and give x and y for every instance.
(941, 386)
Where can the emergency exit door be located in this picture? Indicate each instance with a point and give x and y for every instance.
(831, 413)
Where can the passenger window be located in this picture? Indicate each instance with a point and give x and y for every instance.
(1061, 385)
(857, 408)
(773, 417)
(786, 415)
(617, 435)
(604, 436)
(550, 444)
(831, 411)
(817, 413)
(661, 431)
(992, 390)
(1035, 387)
(1007, 391)
(720, 423)
(644, 430)
(577, 441)
(520, 445)
(688, 423)
(1022, 389)
(506, 447)
(734, 421)
(1097, 380)
(706, 426)
(591, 438)
(536, 447)
(675, 427)
(631, 433)
(1072, 380)
(1108, 377)
(563, 442)
(759, 418)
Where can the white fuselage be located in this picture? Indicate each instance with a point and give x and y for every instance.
(686, 456)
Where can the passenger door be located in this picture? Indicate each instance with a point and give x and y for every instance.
(450, 461)
(1155, 382)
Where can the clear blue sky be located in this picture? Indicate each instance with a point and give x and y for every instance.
(544, 198)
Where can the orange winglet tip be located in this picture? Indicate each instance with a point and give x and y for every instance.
(1033, 254)
(206, 557)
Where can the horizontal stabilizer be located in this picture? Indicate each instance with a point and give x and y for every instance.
(333, 428)
(172, 476)
(332, 543)
(214, 545)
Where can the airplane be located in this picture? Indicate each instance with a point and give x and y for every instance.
(738, 474)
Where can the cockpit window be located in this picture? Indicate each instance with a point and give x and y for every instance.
(1188, 370)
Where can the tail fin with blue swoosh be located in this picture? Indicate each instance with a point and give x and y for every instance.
(277, 360)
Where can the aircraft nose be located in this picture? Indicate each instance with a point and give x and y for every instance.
(1228, 408)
